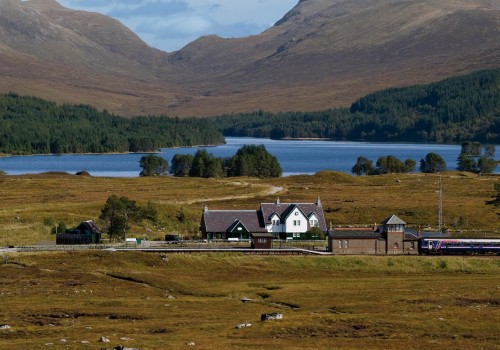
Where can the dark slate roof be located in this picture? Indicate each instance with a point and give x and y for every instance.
(261, 234)
(355, 232)
(393, 220)
(90, 226)
(283, 209)
(410, 234)
(223, 220)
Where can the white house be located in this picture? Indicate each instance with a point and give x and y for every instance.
(283, 220)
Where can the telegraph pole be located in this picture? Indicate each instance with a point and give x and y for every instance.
(440, 215)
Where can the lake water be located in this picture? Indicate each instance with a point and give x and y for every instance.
(295, 157)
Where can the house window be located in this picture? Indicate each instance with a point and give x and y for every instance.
(296, 235)
(346, 244)
(340, 244)
(296, 222)
(262, 240)
(276, 222)
(313, 223)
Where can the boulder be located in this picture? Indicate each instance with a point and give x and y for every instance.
(104, 340)
(243, 325)
(273, 316)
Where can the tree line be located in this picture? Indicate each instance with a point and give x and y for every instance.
(473, 158)
(451, 111)
(30, 125)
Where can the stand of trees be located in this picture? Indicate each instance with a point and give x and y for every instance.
(249, 160)
(451, 111)
(153, 165)
(384, 165)
(119, 211)
(432, 163)
(476, 159)
(30, 125)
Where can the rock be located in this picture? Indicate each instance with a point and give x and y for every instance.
(104, 340)
(274, 316)
(243, 325)
(5, 326)
(191, 343)
(245, 300)
(63, 340)
(85, 342)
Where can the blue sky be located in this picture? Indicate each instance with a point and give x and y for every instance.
(170, 24)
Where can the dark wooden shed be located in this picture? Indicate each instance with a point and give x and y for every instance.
(261, 240)
(85, 233)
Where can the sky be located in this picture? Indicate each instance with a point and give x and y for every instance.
(171, 24)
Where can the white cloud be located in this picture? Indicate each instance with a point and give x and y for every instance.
(171, 24)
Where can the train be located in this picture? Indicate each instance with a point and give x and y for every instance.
(472, 246)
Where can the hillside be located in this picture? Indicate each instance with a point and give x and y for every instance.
(454, 110)
(321, 54)
(449, 111)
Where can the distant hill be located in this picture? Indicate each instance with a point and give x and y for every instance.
(452, 111)
(322, 54)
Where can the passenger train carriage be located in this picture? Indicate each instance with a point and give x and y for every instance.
(459, 246)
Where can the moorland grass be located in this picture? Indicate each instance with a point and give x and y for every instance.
(29, 201)
(154, 301)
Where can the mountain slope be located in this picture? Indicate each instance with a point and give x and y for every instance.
(321, 54)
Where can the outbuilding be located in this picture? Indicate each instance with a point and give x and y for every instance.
(392, 237)
(85, 233)
(261, 240)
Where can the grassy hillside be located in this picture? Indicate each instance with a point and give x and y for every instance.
(156, 301)
(30, 204)
(453, 110)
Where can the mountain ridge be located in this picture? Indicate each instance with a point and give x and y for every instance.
(321, 54)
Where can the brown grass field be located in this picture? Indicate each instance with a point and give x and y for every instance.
(26, 202)
(153, 301)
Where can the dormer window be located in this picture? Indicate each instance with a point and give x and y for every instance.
(276, 222)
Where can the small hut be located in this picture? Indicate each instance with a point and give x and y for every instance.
(261, 240)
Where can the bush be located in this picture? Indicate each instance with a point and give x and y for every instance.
(83, 173)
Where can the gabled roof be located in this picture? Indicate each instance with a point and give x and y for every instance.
(89, 225)
(271, 216)
(285, 208)
(222, 220)
(236, 224)
(313, 213)
(393, 220)
(291, 208)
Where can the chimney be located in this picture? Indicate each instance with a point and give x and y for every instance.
(318, 202)
(205, 209)
(278, 201)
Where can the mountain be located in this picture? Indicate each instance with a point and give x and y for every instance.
(321, 54)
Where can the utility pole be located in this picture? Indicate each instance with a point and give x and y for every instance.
(440, 215)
